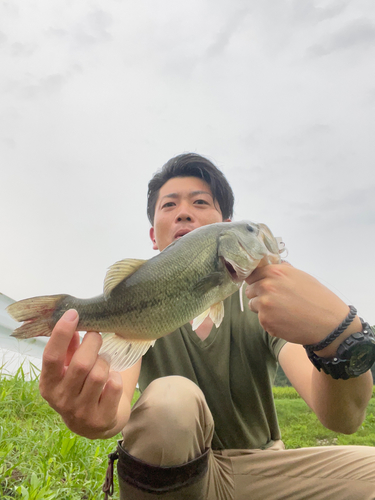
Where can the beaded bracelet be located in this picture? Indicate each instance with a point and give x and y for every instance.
(333, 335)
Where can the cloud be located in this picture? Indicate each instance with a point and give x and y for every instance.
(309, 12)
(94, 28)
(352, 210)
(42, 87)
(19, 49)
(361, 32)
(226, 32)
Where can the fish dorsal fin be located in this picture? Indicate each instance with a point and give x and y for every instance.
(121, 354)
(215, 312)
(119, 271)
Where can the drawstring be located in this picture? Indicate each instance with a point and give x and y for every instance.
(108, 481)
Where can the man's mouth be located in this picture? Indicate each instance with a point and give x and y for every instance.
(181, 233)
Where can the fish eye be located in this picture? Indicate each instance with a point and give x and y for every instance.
(250, 228)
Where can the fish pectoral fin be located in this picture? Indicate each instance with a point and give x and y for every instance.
(208, 282)
(119, 271)
(215, 312)
(121, 353)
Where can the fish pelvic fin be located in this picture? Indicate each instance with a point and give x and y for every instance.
(118, 272)
(199, 319)
(215, 312)
(121, 353)
(36, 313)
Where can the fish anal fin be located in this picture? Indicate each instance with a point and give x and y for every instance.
(121, 353)
(119, 271)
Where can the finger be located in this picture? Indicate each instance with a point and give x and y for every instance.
(94, 383)
(252, 290)
(253, 305)
(82, 362)
(73, 346)
(258, 274)
(112, 391)
(55, 352)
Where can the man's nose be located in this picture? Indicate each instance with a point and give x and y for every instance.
(184, 214)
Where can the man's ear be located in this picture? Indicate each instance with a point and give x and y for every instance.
(152, 236)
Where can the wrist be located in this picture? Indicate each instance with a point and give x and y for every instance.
(354, 356)
(330, 351)
(326, 347)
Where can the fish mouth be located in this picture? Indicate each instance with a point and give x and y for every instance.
(232, 271)
(239, 273)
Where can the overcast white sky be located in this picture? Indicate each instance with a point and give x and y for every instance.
(95, 96)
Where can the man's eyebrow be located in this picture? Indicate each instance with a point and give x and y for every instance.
(170, 195)
(195, 193)
(191, 195)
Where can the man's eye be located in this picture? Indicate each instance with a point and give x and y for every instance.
(168, 204)
(201, 202)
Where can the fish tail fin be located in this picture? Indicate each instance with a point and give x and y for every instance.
(122, 354)
(36, 313)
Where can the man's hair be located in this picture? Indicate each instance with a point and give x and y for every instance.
(192, 165)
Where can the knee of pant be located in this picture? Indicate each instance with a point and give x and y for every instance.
(173, 400)
(175, 408)
(170, 423)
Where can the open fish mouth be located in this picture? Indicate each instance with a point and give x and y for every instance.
(231, 271)
(237, 273)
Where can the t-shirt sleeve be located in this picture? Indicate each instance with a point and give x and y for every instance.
(274, 344)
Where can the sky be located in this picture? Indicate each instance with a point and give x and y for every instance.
(95, 96)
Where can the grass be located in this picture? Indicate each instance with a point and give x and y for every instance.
(40, 459)
(300, 427)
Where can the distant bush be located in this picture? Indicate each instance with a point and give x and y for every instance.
(285, 393)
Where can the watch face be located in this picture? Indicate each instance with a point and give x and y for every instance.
(362, 358)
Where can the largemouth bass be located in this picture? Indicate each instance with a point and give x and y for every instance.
(144, 300)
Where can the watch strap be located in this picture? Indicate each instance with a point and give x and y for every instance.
(335, 333)
(340, 366)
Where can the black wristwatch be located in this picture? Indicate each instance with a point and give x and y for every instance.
(354, 356)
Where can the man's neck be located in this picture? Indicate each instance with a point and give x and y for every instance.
(203, 331)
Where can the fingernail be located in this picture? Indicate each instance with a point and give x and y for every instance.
(70, 315)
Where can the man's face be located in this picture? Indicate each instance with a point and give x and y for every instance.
(184, 203)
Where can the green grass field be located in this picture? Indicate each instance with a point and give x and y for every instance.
(41, 459)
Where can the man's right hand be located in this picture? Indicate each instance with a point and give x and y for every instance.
(93, 401)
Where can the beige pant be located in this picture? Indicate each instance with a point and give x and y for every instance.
(171, 424)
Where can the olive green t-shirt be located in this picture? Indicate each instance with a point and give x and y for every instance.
(234, 366)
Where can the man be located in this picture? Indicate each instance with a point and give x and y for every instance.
(205, 425)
